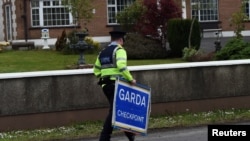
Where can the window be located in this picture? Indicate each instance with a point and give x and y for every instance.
(247, 8)
(205, 10)
(115, 6)
(50, 13)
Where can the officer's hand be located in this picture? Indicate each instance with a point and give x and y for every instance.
(133, 82)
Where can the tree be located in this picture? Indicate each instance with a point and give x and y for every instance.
(238, 19)
(150, 19)
(130, 15)
(157, 13)
(80, 9)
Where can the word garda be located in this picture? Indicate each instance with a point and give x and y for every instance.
(132, 97)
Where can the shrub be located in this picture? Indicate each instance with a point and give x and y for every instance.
(61, 41)
(236, 48)
(188, 53)
(65, 47)
(178, 35)
(141, 47)
(3, 46)
(193, 55)
(72, 40)
(245, 53)
(95, 46)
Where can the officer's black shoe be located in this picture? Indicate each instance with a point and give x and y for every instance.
(131, 136)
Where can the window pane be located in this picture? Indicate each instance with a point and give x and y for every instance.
(52, 13)
(116, 6)
(207, 10)
(111, 2)
(35, 3)
(46, 3)
(55, 3)
(111, 15)
(35, 17)
(247, 9)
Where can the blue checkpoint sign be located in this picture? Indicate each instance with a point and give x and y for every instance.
(131, 107)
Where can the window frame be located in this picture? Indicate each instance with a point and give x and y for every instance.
(207, 14)
(38, 10)
(114, 4)
(247, 9)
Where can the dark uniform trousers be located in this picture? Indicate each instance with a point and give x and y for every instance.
(109, 90)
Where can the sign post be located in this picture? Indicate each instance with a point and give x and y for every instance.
(131, 107)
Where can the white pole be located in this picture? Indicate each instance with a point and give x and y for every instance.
(184, 9)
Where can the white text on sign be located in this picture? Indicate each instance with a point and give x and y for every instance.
(132, 97)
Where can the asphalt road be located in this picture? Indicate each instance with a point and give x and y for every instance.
(197, 133)
(184, 134)
(171, 134)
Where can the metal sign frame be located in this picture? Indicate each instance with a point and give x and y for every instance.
(131, 107)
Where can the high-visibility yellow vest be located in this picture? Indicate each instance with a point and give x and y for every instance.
(112, 62)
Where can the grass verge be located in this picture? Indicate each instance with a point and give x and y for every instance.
(91, 129)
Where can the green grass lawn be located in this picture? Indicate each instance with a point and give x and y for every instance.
(21, 61)
(41, 60)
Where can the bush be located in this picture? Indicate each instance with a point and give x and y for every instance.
(236, 48)
(193, 55)
(178, 35)
(64, 43)
(245, 53)
(95, 46)
(61, 41)
(141, 47)
(189, 53)
(72, 40)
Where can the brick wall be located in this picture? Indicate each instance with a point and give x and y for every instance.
(98, 25)
(226, 9)
(20, 20)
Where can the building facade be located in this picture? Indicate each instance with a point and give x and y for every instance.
(23, 20)
(217, 14)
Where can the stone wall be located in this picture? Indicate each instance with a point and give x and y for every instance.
(174, 88)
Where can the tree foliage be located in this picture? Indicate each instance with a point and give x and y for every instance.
(236, 48)
(80, 9)
(139, 47)
(148, 15)
(157, 15)
(130, 15)
(179, 33)
(238, 19)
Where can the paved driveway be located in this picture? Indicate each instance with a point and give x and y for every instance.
(207, 44)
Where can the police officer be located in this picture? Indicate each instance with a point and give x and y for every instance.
(110, 64)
